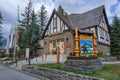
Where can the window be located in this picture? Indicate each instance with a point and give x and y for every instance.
(92, 29)
(45, 43)
(101, 32)
(103, 23)
(107, 36)
(67, 39)
(87, 29)
(54, 25)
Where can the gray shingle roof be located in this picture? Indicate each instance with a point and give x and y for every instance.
(87, 19)
(81, 21)
(65, 19)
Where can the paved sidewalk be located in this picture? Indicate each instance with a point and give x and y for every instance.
(39, 60)
(115, 62)
(33, 61)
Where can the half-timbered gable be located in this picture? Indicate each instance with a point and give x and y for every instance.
(103, 31)
(103, 22)
(57, 34)
(56, 25)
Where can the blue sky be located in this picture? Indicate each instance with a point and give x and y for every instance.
(89, 42)
(9, 8)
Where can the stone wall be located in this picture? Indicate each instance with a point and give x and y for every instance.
(83, 64)
(52, 74)
(63, 36)
(104, 48)
(40, 52)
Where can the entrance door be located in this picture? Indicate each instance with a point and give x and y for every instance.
(54, 44)
(52, 49)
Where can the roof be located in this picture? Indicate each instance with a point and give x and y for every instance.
(85, 31)
(65, 19)
(81, 21)
(87, 19)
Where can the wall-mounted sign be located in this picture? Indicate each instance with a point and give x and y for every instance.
(85, 37)
(68, 45)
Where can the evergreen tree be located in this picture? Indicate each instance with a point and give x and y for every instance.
(60, 9)
(35, 34)
(26, 15)
(1, 18)
(29, 32)
(25, 23)
(115, 36)
(42, 18)
(20, 41)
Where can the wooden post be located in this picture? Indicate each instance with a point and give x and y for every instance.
(77, 48)
(95, 45)
(57, 56)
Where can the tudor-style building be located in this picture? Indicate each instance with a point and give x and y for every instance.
(60, 30)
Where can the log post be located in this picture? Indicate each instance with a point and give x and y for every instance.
(95, 45)
(77, 48)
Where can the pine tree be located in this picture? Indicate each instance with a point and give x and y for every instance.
(1, 18)
(29, 32)
(25, 23)
(20, 41)
(26, 15)
(42, 18)
(115, 36)
(35, 33)
(60, 9)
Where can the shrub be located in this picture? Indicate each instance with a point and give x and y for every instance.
(2, 55)
(100, 54)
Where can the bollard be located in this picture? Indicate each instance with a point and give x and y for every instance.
(29, 61)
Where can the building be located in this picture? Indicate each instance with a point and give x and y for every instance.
(12, 40)
(60, 30)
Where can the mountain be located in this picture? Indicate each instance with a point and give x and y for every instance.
(87, 45)
(4, 43)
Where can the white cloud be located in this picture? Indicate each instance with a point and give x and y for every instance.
(9, 8)
(9, 13)
(6, 30)
(117, 12)
(80, 6)
(108, 5)
(48, 4)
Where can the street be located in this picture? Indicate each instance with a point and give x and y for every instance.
(11, 74)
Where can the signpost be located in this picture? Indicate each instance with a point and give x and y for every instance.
(58, 55)
(85, 59)
(27, 53)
